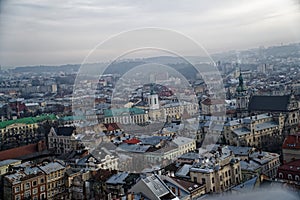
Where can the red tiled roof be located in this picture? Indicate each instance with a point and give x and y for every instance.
(293, 166)
(111, 126)
(102, 174)
(187, 185)
(230, 112)
(132, 141)
(209, 101)
(18, 152)
(292, 142)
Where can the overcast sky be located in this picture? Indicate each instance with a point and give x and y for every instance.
(34, 32)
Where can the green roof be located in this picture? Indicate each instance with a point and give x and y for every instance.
(27, 120)
(241, 88)
(123, 112)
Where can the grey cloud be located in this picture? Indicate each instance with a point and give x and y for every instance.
(75, 26)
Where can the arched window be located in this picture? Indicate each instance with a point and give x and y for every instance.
(290, 177)
(280, 175)
(297, 178)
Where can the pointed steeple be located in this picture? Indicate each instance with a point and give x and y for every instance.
(152, 89)
(242, 99)
(241, 87)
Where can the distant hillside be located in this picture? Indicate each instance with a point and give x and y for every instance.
(121, 67)
(292, 50)
(43, 69)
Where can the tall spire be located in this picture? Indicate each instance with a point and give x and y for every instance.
(152, 89)
(241, 80)
(241, 87)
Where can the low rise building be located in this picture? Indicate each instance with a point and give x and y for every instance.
(108, 160)
(210, 126)
(210, 106)
(77, 184)
(260, 131)
(119, 184)
(178, 110)
(183, 189)
(290, 173)
(63, 140)
(23, 131)
(102, 160)
(98, 183)
(256, 162)
(218, 171)
(291, 148)
(286, 105)
(151, 187)
(268, 161)
(250, 169)
(6, 164)
(242, 152)
(55, 181)
(171, 150)
(126, 116)
(25, 183)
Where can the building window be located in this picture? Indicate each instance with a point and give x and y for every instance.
(195, 179)
(290, 177)
(17, 189)
(296, 178)
(280, 175)
(42, 196)
(17, 197)
(27, 185)
(42, 188)
(213, 180)
(35, 191)
(42, 180)
(34, 183)
(27, 193)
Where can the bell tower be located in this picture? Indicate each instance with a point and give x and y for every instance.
(153, 100)
(242, 98)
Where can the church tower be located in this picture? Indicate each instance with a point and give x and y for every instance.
(242, 98)
(153, 100)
